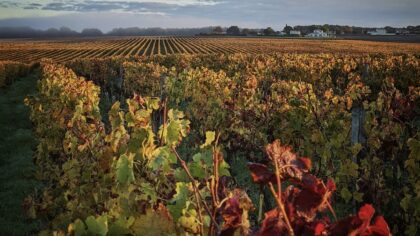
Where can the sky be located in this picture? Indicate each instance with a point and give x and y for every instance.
(109, 14)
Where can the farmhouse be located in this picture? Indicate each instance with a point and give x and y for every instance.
(379, 32)
(295, 32)
(318, 34)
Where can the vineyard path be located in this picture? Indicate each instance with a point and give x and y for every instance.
(17, 147)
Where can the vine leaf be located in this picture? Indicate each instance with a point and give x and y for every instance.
(224, 168)
(379, 227)
(98, 226)
(313, 196)
(235, 213)
(261, 174)
(210, 137)
(179, 200)
(291, 164)
(176, 128)
(125, 174)
(153, 222)
(78, 227)
(360, 224)
(272, 224)
(163, 158)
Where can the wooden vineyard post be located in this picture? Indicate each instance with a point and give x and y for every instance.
(120, 83)
(357, 122)
(160, 117)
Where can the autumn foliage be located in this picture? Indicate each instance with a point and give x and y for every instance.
(117, 167)
(303, 204)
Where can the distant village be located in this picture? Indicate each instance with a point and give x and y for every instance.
(316, 31)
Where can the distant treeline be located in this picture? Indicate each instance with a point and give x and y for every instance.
(28, 32)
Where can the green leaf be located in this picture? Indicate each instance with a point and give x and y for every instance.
(175, 114)
(358, 196)
(210, 137)
(163, 157)
(78, 227)
(180, 175)
(179, 200)
(413, 159)
(176, 128)
(172, 133)
(205, 156)
(153, 103)
(349, 168)
(197, 157)
(149, 193)
(121, 227)
(345, 194)
(355, 149)
(197, 170)
(411, 229)
(98, 226)
(153, 222)
(125, 174)
(405, 202)
(137, 139)
(224, 169)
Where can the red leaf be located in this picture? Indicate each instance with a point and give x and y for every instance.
(261, 174)
(272, 224)
(232, 212)
(308, 203)
(331, 185)
(319, 228)
(316, 228)
(306, 162)
(366, 212)
(347, 226)
(313, 196)
(289, 162)
(379, 228)
(359, 224)
(312, 183)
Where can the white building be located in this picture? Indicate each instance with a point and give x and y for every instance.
(318, 34)
(295, 32)
(379, 32)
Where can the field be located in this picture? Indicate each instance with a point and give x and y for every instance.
(68, 49)
(209, 136)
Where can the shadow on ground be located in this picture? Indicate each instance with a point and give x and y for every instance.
(17, 146)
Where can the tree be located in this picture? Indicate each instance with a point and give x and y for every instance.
(246, 31)
(52, 32)
(91, 32)
(287, 29)
(269, 31)
(252, 32)
(233, 30)
(347, 30)
(67, 32)
(390, 29)
(218, 30)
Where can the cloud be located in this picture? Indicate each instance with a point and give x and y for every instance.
(246, 13)
(108, 21)
(109, 6)
(129, 6)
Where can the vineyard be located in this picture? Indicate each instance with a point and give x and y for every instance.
(68, 49)
(225, 144)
